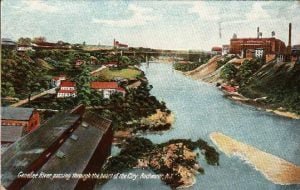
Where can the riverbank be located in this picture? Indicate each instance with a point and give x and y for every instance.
(275, 169)
(258, 103)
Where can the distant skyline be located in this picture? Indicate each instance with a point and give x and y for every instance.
(153, 24)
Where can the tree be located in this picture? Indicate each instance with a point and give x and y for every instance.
(247, 69)
(229, 71)
(83, 86)
(31, 78)
(39, 39)
(24, 41)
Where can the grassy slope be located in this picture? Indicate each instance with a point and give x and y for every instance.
(124, 73)
(279, 82)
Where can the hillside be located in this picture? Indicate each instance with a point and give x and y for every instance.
(205, 69)
(278, 83)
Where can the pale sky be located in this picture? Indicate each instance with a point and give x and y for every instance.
(154, 24)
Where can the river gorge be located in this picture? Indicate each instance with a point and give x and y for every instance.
(200, 110)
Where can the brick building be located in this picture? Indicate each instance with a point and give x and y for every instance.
(26, 118)
(68, 143)
(119, 45)
(258, 47)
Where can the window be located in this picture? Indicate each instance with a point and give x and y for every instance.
(60, 154)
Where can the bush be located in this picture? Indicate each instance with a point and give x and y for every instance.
(229, 71)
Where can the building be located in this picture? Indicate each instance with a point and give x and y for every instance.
(67, 89)
(225, 49)
(28, 118)
(295, 55)
(50, 45)
(10, 134)
(216, 50)
(68, 143)
(107, 88)
(259, 53)
(8, 43)
(55, 81)
(23, 48)
(119, 45)
(259, 47)
(111, 64)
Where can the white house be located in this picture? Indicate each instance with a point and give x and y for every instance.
(55, 82)
(225, 49)
(259, 53)
(108, 88)
(25, 48)
(67, 89)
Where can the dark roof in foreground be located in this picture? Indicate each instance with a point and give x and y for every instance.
(26, 150)
(76, 152)
(11, 133)
(16, 113)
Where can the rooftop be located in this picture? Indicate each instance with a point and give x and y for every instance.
(67, 84)
(16, 113)
(30, 147)
(74, 154)
(11, 133)
(104, 85)
(216, 49)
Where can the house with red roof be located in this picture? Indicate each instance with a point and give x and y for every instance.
(108, 88)
(67, 89)
(216, 50)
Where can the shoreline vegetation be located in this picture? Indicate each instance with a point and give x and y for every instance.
(175, 160)
(254, 82)
(258, 104)
(275, 169)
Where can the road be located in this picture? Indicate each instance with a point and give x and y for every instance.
(24, 101)
(50, 91)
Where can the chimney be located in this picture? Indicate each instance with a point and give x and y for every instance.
(290, 34)
(257, 32)
(114, 42)
(289, 47)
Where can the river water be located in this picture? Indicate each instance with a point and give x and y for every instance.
(200, 109)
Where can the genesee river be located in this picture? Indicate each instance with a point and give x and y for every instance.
(200, 109)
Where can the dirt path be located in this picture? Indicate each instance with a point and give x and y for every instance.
(24, 101)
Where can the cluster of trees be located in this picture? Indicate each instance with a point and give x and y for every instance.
(137, 148)
(280, 84)
(22, 76)
(240, 76)
(137, 103)
(223, 61)
(195, 59)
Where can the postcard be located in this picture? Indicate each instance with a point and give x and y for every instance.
(130, 95)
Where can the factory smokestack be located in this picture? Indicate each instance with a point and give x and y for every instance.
(257, 32)
(290, 34)
(289, 47)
